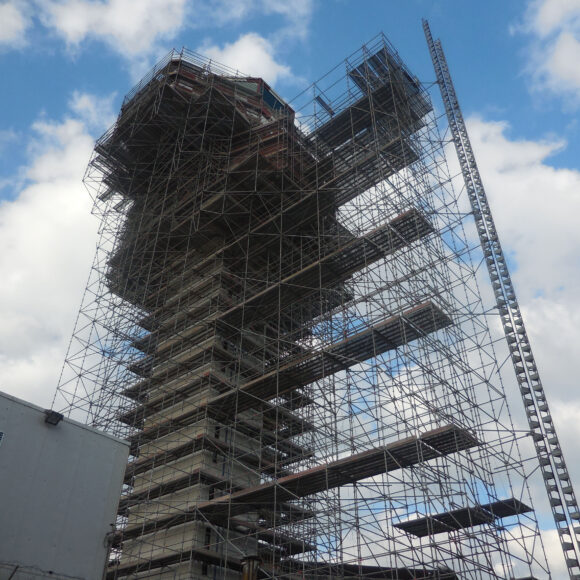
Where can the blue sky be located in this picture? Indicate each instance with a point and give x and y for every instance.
(66, 64)
(58, 47)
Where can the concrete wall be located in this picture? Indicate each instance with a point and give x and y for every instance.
(59, 491)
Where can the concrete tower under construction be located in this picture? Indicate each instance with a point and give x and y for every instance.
(284, 319)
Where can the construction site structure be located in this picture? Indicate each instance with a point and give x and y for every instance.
(284, 320)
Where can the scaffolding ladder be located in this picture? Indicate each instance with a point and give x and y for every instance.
(553, 467)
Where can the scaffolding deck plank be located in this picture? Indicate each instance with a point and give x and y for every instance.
(268, 461)
(461, 518)
(347, 178)
(400, 454)
(288, 544)
(330, 270)
(397, 455)
(324, 570)
(364, 113)
(396, 331)
(195, 553)
(195, 477)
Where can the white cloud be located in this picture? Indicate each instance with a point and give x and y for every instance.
(140, 31)
(535, 209)
(7, 137)
(251, 54)
(547, 16)
(296, 14)
(554, 553)
(555, 50)
(48, 236)
(538, 205)
(14, 24)
(136, 30)
(96, 112)
(562, 71)
(535, 205)
(127, 26)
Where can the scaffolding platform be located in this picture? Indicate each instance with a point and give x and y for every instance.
(268, 461)
(295, 569)
(400, 454)
(196, 476)
(463, 518)
(197, 553)
(397, 455)
(415, 323)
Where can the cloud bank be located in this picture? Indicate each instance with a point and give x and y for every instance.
(554, 26)
(141, 32)
(48, 238)
(250, 54)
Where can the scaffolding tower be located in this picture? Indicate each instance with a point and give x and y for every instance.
(284, 319)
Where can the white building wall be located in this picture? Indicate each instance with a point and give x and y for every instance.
(59, 491)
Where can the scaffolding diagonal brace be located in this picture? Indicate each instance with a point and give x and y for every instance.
(553, 467)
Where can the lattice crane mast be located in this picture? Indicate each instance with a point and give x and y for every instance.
(554, 471)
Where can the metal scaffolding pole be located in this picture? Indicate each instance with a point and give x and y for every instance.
(284, 320)
(551, 459)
